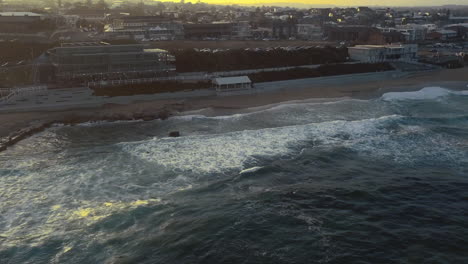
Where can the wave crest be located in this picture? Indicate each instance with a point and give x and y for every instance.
(428, 93)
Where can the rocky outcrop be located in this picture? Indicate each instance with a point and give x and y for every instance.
(73, 119)
(174, 134)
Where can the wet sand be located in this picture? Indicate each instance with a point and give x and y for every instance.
(15, 126)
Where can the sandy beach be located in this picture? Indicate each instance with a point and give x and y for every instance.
(16, 126)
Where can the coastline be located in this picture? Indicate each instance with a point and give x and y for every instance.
(20, 125)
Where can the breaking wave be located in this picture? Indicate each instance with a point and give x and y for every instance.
(428, 93)
(386, 136)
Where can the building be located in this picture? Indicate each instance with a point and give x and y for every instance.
(146, 22)
(20, 22)
(443, 34)
(454, 19)
(359, 34)
(77, 60)
(383, 53)
(413, 32)
(71, 20)
(144, 27)
(242, 30)
(203, 31)
(284, 29)
(227, 84)
(90, 15)
(461, 29)
(156, 33)
(309, 32)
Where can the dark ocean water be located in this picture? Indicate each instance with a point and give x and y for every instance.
(352, 181)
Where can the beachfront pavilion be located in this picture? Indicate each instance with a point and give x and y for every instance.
(232, 83)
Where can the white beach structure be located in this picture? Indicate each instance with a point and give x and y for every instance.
(228, 84)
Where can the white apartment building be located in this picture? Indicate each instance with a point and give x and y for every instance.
(383, 53)
(413, 32)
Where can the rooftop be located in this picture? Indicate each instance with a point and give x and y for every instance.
(378, 46)
(20, 14)
(84, 44)
(232, 80)
(446, 31)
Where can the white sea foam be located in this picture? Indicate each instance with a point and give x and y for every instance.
(230, 151)
(281, 107)
(250, 170)
(219, 153)
(428, 93)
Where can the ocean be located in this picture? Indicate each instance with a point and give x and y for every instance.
(383, 180)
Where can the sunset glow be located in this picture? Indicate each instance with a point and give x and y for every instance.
(335, 2)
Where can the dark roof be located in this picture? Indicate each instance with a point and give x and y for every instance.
(83, 44)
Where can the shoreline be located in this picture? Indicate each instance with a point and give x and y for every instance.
(17, 126)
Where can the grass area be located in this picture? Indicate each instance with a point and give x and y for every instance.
(150, 88)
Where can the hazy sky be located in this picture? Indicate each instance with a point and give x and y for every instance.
(341, 2)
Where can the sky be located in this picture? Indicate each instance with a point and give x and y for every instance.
(339, 2)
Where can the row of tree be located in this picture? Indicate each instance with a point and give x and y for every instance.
(324, 70)
(190, 60)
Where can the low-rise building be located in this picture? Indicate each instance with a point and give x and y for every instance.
(309, 31)
(383, 53)
(359, 34)
(89, 15)
(443, 34)
(19, 22)
(212, 30)
(413, 32)
(156, 33)
(141, 27)
(458, 19)
(76, 60)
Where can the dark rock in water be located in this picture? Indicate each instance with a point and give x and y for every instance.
(174, 134)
